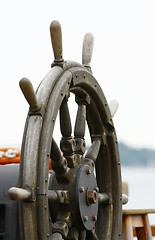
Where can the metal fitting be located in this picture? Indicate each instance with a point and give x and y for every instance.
(91, 196)
(60, 227)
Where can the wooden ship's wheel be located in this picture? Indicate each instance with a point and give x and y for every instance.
(81, 197)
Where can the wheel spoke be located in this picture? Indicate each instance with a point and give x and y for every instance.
(67, 143)
(83, 235)
(91, 235)
(73, 233)
(55, 151)
(59, 163)
(103, 198)
(65, 121)
(93, 151)
(79, 130)
(52, 196)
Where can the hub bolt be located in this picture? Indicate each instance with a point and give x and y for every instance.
(85, 218)
(94, 218)
(88, 171)
(91, 196)
(81, 189)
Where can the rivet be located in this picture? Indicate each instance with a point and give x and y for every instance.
(120, 198)
(45, 207)
(46, 179)
(85, 218)
(92, 165)
(76, 75)
(81, 189)
(84, 76)
(48, 154)
(119, 163)
(94, 218)
(53, 120)
(120, 234)
(61, 93)
(88, 171)
(48, 235)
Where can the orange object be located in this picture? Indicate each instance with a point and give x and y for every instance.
(12, 155)
(9, 155)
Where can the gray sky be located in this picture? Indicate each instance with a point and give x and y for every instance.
(123, 58)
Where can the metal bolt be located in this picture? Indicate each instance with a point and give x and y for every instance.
(48, 235)
(46, 179)
(81, 189)
(88, 171)
(85, 218)
(91, 196)
(97, 189)
(45, 207)
(48, 154)
(94, 218)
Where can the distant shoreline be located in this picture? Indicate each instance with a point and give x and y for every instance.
(130, 156)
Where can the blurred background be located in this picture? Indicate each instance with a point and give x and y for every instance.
(123, 63)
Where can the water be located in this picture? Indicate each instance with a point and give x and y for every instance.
(141, 181)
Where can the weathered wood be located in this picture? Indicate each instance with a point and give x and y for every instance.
(127, 230)
(147, 226)
(136, 223)
(138, 211)
(152, 230)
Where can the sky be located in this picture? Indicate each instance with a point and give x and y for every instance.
(123, 60)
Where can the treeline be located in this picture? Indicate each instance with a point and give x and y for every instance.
(133, 157)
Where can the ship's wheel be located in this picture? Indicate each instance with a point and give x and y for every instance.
(81, 197)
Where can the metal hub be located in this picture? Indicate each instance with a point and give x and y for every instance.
(80, 196)
(86, 197)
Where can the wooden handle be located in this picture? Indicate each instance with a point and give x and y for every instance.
(56, 39)
(16, 193)
(87, 50)
(29, 93)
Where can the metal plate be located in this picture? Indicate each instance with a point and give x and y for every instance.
(85, 180)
